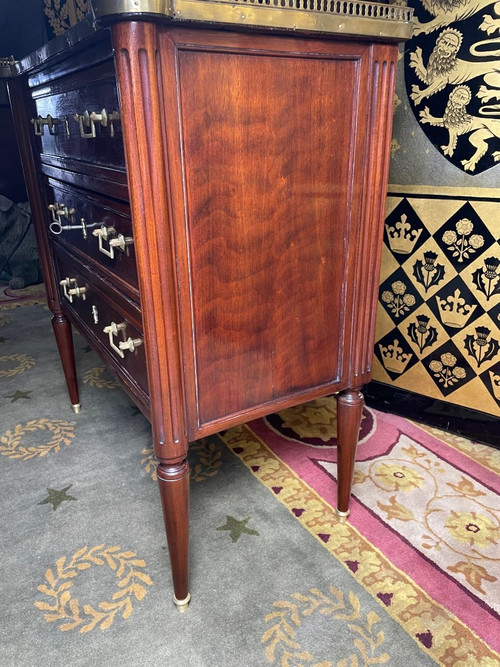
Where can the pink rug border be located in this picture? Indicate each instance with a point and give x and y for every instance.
(443, 588)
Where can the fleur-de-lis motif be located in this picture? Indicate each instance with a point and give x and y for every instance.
(454, 310)
(395, 147)
(402, 238)
(462, 242)
(398, 302)
(421, 333)
(446, 370)
(427, 272)
(487, 280)
(394, 357)
(480, 347)
(495, 384)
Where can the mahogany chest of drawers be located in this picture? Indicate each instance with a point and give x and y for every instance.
(208, 201)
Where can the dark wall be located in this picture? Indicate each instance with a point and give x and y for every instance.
(22, 27)
(22, 30)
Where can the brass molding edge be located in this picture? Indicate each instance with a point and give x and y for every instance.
(101, 8)
(347, 17)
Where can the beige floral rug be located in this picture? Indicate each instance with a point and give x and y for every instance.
(424, 532)
(28, 296)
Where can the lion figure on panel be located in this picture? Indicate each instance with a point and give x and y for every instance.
(444, 68)
(458, 122)
(446, 12)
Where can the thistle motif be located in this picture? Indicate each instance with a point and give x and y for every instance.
(427, 272)
(421, 333)
(446, 370)
(461, 242)
(487, 280)
(480, 347)
(398, 302)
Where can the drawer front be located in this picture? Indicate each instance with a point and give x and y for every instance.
(78, 117)
(97, 227)
(106, 318)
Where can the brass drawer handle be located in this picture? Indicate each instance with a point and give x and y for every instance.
(89, 120)
(121, 242)
(130, 344)
(60, 211)
(71, 289)
(39, 124)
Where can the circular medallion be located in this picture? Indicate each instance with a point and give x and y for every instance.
(315, 423)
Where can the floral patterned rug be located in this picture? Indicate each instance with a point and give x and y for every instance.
(28, 296)
(424, 531)
(411, 578)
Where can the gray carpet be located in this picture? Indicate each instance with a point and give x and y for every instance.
(85, 575)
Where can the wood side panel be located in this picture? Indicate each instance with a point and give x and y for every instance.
(136, 53)
(268, 180)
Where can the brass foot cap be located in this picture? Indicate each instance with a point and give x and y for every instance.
(182, 605)
(76, 407)
(342, 515)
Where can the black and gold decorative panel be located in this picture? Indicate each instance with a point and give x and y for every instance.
(438, 328)
(452, 73)
(439, 302)
(62, 14)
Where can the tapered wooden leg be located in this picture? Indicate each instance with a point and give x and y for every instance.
(349, 411)
(64, 340)
(174, 491)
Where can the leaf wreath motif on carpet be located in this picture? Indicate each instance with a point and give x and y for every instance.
(60, 606)
(424, 532)
(288, 624)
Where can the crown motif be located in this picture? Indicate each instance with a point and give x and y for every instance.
(393, 357)
(495, 384)
(402, 238)
(454, 310)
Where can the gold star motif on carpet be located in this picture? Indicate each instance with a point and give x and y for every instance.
(237, 528)
(55, 497)
(19, 394)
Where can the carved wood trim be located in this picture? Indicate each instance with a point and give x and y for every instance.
(136, 55)
(379, 129)
(22, 127)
